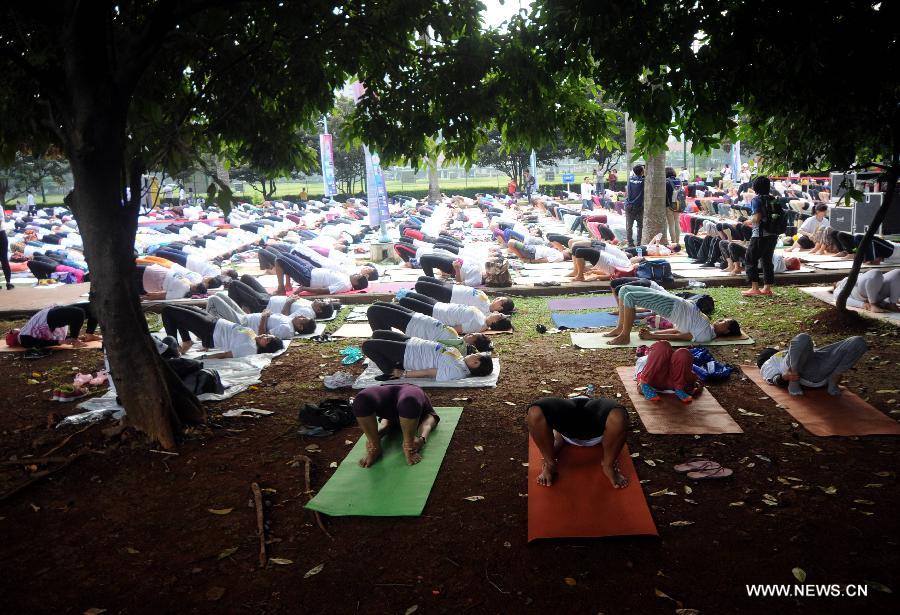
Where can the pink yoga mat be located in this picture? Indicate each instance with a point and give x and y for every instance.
(582, 303)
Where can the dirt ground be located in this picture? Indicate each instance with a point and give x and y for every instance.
(129, 530)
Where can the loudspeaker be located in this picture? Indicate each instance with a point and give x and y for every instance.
(841, 218)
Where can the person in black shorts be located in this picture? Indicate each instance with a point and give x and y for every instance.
(554, 422)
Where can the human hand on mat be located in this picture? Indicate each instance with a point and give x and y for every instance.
(644, 333)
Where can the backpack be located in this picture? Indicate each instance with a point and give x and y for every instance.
(659, 271)
(204, 381)
(678, 202)
(773, 214)
(496, 274)
(330, 414)
(704, 303)
(706, 366)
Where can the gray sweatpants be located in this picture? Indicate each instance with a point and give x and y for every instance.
(820, 364)
(222, 306)
(878, 287)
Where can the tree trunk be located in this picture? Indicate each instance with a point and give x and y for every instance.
(889, 194)
(222, 171)
(654, 197)
(434, 186)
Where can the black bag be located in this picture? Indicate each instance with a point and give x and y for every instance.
(773, 214)
(330, 414)
(204, 381)
(659, 271)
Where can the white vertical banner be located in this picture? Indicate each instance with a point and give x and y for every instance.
(326, 154)
(533, 164)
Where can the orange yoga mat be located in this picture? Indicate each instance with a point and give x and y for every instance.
(89, 346)
(704, 415)
(582, 503)
(825, 415)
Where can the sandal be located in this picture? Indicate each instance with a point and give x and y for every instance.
(719, 472)
(751, 293)
(697, 463)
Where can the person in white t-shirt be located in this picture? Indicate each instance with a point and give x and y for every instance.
(690, 323)
(804, 365)
(449, 292)
(386, 316)
(586, 188)
(253, 297)
(463, 318)
(875, 290)
(280, 325)
(314, 280)
(400, 356)
(538, 254)
(812, 231)
(156, 282)
(234, 339)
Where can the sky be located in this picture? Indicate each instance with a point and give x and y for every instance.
(496, 13)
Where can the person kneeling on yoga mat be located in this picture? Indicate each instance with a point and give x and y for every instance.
(279, 325)
(235, 339)
(690, 323)
(804, 365)
(664, 369)
(448, 292)
(875, 290)
(53, 326)
(401, 356)
(554, 422)
(386, 316)
(377, 409)
(253, 297)
(314, 280)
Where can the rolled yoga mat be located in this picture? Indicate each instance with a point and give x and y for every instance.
(582, 303)
(390, 488)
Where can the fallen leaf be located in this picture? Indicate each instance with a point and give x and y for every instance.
(313, 571)
(799, 574)
(885, 474)
(830, 490)
(547, 391)
(650, 462)
(412, 609)
(748, 413)
(333, 464)
(460, 399)
(96, 611)
(479, 448)
(132, 550)
(635, 454)
(228, 552)
(215, 593)
(665, 491)
(570, 581)
(280, 561)
(687, 612)
(690, 501)
(220, 511)
(879, 587)
(866, 502)
(790, 444)
(474, 498)
(509, 403)
(873, 485)
(812, 446)
(313, 448)
(736, 504)
(681, 523)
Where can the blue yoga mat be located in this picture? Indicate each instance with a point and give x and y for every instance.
(582, 321)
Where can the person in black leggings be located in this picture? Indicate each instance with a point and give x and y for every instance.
(182, 320)
(443, 291)
(4, 256)
(386, 316)
(253, 297)
(849, 243)
(554, 422)
(71, 316)
(430, 262)
(387, 350)
(762, 244)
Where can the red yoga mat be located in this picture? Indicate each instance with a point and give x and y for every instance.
(582, 503)
(825, 415)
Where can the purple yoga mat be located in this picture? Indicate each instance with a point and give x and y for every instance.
(582, 303)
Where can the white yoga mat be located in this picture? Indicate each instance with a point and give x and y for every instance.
(367, 379)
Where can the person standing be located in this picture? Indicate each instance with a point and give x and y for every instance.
(726, 176)
(182, 196)
(613, 179)
(710, 176)
(29, 202)
(528, 181)
(634, 206)
(673, 205)
(4, 251)
(598, 182)
(512, 188)
(685, 176)
(745, 177)
(762, 241)
(586, 187)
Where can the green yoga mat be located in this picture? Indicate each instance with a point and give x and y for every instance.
(390, 488)
(596, 340)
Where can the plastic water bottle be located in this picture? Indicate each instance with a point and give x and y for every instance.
(589, 391)
(696, 284)
(640, 252)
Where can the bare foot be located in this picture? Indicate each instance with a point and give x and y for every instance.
(411, 450)
(579, 278)
(621, 340)
(185, 346)
(90, 337)
(545, 478)
(279, 292)
(873, 308)
(615, 476)
(571, 274)
(373, 452)
(613, 333)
